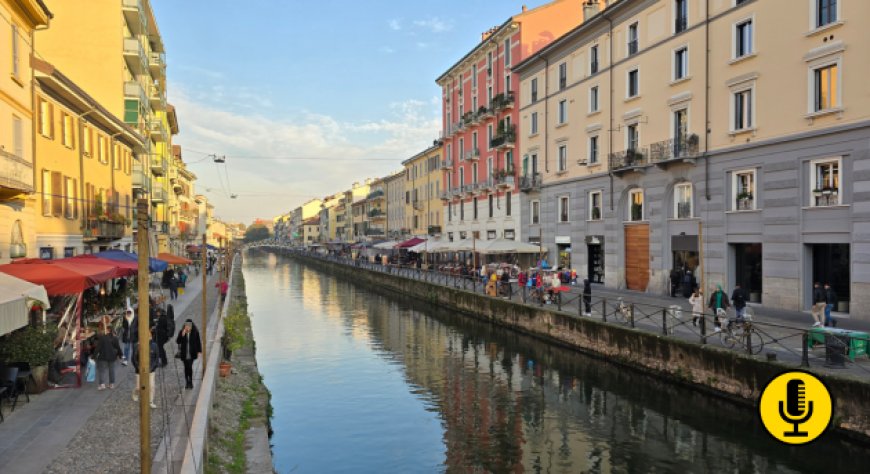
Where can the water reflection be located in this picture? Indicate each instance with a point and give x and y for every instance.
(502, 402)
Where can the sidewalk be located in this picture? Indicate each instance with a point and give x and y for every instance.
(86, 430)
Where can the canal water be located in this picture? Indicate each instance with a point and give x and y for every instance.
(362, 382)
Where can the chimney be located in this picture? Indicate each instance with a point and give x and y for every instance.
(590, 9)
(525, 8)
(486, 34)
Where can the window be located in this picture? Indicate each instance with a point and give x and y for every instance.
(681, 63)
(507, 204)
(826, 183)
(461, 148)
(46, 125)
(681, 15)
(632, 88)
(632, 38)
(535, 212)
(449, 212)
(16, 57)
(825, 88)
(681, 125)
(507, 82)
(489, 137)
(563, 111)
(683, 201)
(743, 38)
(57, 194)
(510, 234)
(595, 205)
(17, 136)
(593, 99)
(489, 64)
(593, 60)
(67, 130)
(635, 205)
(507, 52)
(743, 187)
(491, 205)
(534, 124)
(474, 75)
(474, 208)
(742, 110)
(563, 76)
(563, 209)
(593, 149)
(102, 149)
(826, 12)
(632, 137)
(69, 198)
(462, 211)
(534, 86)
(46, 193)
(563, 157)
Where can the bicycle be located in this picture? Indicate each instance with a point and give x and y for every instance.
(622, 312)
(742, 333)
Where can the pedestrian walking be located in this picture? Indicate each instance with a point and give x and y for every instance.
(153, 360)
(587, 297)
(223, 287)
(128, 329)
(173, 288)
(108, 351)
(818, 304)
(738, 299)
(689, 284)
(718, 301)
(189, 348)
(675, 281)
(165, 328)
(830, 302)
(697, 302)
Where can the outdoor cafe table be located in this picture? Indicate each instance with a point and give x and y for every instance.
(857, 339)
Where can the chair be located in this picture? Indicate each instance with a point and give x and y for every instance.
(9, 380)
(24, 373)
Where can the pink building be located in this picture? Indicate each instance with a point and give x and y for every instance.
(480, 114)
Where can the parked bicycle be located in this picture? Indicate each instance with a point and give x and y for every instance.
(742, 333)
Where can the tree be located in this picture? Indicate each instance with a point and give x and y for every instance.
(256, 232)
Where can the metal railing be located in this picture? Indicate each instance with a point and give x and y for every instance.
(771, 341)
(674, 149)
(630, 158)
(531, 182)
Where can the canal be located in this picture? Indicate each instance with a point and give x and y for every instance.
(363, 382)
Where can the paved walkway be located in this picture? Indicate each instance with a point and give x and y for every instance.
(782, 331)
(86, 430)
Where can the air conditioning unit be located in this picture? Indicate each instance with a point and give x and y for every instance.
(582, 162)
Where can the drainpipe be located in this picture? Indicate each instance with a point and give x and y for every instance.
(81, 135)
(707, 100)
(546, 113)
(610, 112)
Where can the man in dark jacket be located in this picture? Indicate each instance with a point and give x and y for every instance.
(738, 299)
(164, 332)
(818, 304)
(830, 302)
(587, 297)
(108, 350)
(676, 276)
(153, 359)
(189, 348)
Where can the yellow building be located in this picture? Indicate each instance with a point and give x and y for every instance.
(17, 227)
(84, 161)
(311, 230)
(376, 210)
(113, 50)
(185, 213)
(423, 205)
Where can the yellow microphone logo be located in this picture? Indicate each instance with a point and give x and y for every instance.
(795, 407)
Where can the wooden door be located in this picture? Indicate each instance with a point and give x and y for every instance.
(637, 256)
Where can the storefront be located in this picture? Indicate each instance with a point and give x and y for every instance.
(747, 269)
(831, 265)
(595, 258)
(563, 248)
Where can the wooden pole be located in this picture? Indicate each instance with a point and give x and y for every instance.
(203, 254)
(144, 355)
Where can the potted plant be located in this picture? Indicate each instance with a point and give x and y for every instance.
(17, 250)
(33, 345)
(817, 192)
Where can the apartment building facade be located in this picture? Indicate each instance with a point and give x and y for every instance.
(394, 184)
(422, 199)
(728, 142)
(479, 114)
(17, 218)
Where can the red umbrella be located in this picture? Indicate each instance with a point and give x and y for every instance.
(410, 243)
(122, 268)
(173, 259)
(59, 279)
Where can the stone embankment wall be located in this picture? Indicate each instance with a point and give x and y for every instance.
(730, 374)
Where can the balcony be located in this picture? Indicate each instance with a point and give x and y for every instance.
(418, 205)
(531, 182)
(472, 154)
(157, 97)
(629, 160)
(140, 180)
(157, 64)
(503, 101)
(374, 231)
(674, 150)
(133, 90)
(158, 165)
(16, 175)
(445, 196)
(487, 186)
(469, 189)
(173, 174)
(457, 191)
(157, 130)
(376, 214)
(177, 188)
(505, 139)
(158, 194)
(433, 229)
(485, 113)
(96, 229)
(447, 164)
(467, 119)
(134, 54)
(135, 16)
(377, 194)
(504, 180)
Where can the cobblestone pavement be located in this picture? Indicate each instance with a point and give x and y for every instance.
(85, 430)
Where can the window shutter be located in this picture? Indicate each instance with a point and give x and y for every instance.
(51, 120)
(75, 199)
(57, 192)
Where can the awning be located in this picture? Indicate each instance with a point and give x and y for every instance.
(122, 268)
(173, 259)
(64, 278)
(506, 246)
(388, 245)
(154, 265)
(16, 297)
(410, 242)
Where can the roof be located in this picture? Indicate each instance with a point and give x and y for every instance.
(427, 151)
(312, 221)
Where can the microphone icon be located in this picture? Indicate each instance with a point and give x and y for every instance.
(795, 409)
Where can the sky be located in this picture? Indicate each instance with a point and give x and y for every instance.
(306, 97)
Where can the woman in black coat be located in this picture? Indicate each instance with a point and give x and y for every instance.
(189, 348)
(587, 297)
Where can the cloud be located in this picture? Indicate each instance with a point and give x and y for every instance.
(395, 24)
(260, 167)
(434, 24)
(386, 50)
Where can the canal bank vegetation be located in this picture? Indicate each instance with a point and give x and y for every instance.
(241, 400)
